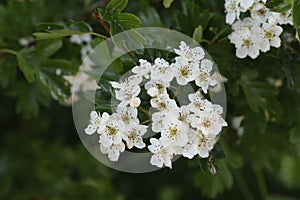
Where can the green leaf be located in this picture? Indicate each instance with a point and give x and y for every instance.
(43, 26)
(167, 3)
(78, 26)
(278, 5)
(124, 21)
(296, 16)
(28, 70)
(116, 5)
(46, 48)
(29, 97)
(57, 64)
(56, 34)
(198, 34)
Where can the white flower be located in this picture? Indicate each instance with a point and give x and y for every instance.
(143, 69)
(174, 133)
(260, 12)
(281, 18)
(158, 119)
(269, 35)
(163, 103)
(97, 123)
(125, 117)
(113, 151)
(80, 39)
(184, 71)
(203, 77)
(210, 123)
(156, 87)
(162, 155)
(127, 90)
(232, 10)
(194, 54)
(246, 43)
(133, 137)
(198, 103)
(161, 70)
(200, 144)
(111, 134)
(182, 114)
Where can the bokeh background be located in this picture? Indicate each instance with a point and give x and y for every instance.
(42, 157)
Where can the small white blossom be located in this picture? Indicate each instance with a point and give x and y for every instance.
(162, 155)
(200, 144)
(126, 117)
(281, 18)
(143, 69)
(133, 137)
(161, 70)
(113, 151)
(80, 39)
(195, 54)
(246, 43)
(97, 122)
(269, 35)
(203, 77)
(174, 133)
(198, 103)
(259, 12)
(232, 9)
(163, 103)
(127, 90)
(184, 71)
(156, 87)
(111, 134)
(210, 123)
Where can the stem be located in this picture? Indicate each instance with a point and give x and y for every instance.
(102, 22)
(262, 186)
(98, 35)
(217, 36)
(243, 185)
(144, 111)
(146, 121)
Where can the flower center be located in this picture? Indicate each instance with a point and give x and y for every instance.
(184, 72)
(206, 123)
(173, 132)
(269, 34)
(112, 130)
(202, 77)
(159, 87)
(247, 43)
(125, 118)
(181, 117)
(162, 105)
(262, 12)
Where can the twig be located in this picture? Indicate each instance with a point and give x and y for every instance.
(102, 22)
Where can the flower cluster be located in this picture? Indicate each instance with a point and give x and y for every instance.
(257, 32)
(186, 130)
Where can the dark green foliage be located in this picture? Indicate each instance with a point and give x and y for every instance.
(41, 156)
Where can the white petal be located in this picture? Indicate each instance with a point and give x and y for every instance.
(275, 42)
(241, 52)
(230, 17)
(90, 129)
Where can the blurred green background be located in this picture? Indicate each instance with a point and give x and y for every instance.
(42, 157)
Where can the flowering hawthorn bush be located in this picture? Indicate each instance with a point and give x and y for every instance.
(253, 43)
(187, 130)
